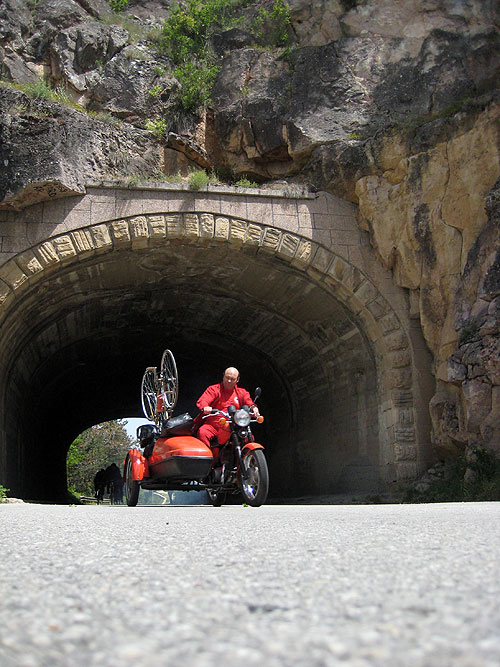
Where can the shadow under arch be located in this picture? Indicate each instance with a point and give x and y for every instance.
(86, 311)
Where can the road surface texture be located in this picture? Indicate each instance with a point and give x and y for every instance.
(303, 585)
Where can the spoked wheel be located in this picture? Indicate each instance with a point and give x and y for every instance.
(255, 487)
(131, 485)
(217, 498)
(169, 380)
(149, 388)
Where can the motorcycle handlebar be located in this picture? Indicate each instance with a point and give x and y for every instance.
(215, 411)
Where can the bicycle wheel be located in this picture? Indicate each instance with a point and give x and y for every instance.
(149, 389)
(169, 380)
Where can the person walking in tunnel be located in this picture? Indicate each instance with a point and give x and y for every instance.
(221, 396)
(115, 484)
(99, 485)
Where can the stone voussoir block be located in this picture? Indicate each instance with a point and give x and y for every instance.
(304, 253)
(5, 290)
(64, 247)
(389, 323)
(174, 225)
(237, 231)
(139, 231)
(29, 263)
(83, 241)
(396, 340)
(352, 278)
(102, 237)
(405, 451)
(12, 275)
(271, 240)
(121, 232)
(207, 225)
(399, 358)
(397, 378)
(322, 259)
(191, 225)
(378, 307)
(288, 246)
(221, 232)
(371, 326)
(158, 230)
(338, 269)
(47, 254)
(366, 292)
(254, 234)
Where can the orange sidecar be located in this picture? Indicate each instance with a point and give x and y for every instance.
(172, 459)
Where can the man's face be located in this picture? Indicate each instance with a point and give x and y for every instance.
(230, 378)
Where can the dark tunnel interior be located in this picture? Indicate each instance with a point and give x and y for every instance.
(76, 344)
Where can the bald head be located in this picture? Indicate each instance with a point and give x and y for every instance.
(230, 377)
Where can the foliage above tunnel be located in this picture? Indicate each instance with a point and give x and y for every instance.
(187, 39)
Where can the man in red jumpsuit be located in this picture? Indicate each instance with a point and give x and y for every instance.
(221, 396)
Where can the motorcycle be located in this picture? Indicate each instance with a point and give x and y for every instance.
(241, 465)
(171, 458)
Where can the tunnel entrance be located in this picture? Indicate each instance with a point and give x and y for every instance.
(78, 338)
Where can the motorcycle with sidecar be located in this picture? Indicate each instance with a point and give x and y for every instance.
(171, 458)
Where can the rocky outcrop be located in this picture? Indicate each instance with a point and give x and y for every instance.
(425, 209)
(466, 408)
(71, 150)
(391, 104)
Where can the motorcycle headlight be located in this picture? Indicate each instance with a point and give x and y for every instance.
(241, 418)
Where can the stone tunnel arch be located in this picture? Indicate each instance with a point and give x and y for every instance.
(84, 312)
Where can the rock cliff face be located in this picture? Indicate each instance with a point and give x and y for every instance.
(391, 104)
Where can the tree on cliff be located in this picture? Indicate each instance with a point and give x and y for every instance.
(96, 448)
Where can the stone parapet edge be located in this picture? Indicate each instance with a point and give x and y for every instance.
(158, 186)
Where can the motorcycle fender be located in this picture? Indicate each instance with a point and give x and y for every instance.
(251, 445)
(140, 467)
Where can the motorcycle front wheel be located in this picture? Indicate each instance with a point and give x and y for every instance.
(255, 487)
(131, 485)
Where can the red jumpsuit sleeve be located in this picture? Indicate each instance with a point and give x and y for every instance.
(245, 398)
(208, 397)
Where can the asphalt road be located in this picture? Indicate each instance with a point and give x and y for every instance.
(310, 585)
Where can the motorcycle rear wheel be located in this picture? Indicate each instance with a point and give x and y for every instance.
(255, 487)
(131, 485)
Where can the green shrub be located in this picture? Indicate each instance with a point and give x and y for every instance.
(452, 486)
(3, 493)
(273, 25)
(39, 90)
(60, 94)
(186, 40)
(157, 127)
(186, 32)
(118, 5)
(245, 183)
(156, 90)
(103, 116)
(173, 178)
(198, 179)
(196, 81)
